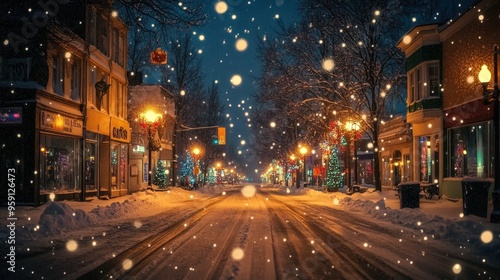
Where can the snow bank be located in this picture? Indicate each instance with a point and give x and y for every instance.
(459, 231)
(59, 216)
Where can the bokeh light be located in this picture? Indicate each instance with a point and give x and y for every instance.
(236, 80)
(248, 191)
(237, 254)
(71, 245)
(221, 7)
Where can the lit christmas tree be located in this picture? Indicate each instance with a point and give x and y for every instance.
(160, 178)
(334, 178)
(211, 175)
(187, 169)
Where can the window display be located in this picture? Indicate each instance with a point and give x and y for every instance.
(469, 152)
(59, 164)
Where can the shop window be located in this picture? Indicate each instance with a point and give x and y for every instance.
(406, 168)
(469, 151)
(123, 166)
(425, 161)
(114, 166)
(59, 164)
(90, 166)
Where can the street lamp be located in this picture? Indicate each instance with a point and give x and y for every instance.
(297, 181)
(352, 127)
(303, 152)
(492, 96)
(196, 171)
(150, 120)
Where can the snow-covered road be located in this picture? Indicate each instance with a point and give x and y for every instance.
(248, 232)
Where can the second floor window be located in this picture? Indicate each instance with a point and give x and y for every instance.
(118, 47)
(433, 82)
(58, 64)
(423, 82)
(102, 34)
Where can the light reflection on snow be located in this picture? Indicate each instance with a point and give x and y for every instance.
(127, 264)
(336, 201)
(237, 254)
(71, 245)
(137, 224)
(248, 191)
(486, 236)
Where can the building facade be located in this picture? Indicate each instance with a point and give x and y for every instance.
(396, 152)
(63, 105)
(452, 127)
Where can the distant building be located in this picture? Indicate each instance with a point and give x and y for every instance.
(63, 102)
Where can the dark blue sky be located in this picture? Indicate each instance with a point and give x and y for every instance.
(249, 20)
(252, 20)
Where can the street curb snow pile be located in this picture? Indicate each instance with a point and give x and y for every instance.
(59, 217)
(459, 232)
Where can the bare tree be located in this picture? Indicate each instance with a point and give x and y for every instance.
(340, 62)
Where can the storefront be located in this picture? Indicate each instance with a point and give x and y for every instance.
(106, 155)
(41, 143)
(469, 141)
(396, 162)
(60, 136)
(427, 147)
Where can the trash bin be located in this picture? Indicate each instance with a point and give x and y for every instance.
(409, 194)
(475, 196)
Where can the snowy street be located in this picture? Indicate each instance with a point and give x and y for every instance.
(248, 232)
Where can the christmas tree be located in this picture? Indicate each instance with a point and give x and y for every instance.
(334, 178)
(160, 178)
(187, 170)
(212, 172)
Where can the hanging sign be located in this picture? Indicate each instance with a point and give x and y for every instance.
(158, 56)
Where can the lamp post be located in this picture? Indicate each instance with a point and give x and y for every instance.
(352, 128)
(492, 96)
(196, 155)
(150, 120)
(297, 181)
(303, 152)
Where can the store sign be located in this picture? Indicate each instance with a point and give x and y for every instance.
(57, 122)
(120, 133)
(138, 149)
(11, 115)
(120, 130)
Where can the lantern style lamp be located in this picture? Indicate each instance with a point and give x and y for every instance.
(150, 119)
(303, 152)
(491, 95)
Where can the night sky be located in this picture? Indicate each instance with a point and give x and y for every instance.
(250, 21)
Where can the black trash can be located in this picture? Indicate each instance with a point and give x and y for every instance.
(409, 195)
(475, 196)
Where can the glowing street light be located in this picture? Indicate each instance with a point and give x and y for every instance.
(352, 127)
(303, 151)
(492, 96)
(196, 152)
(149, 120)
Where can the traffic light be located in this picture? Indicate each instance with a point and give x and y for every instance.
(221, 136)
(215, 141)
